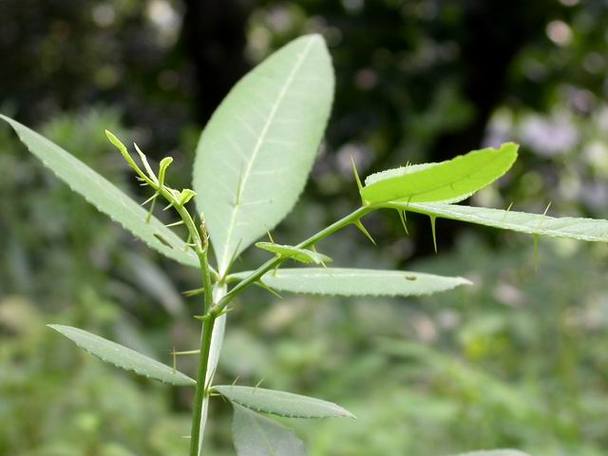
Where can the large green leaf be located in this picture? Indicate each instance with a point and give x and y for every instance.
(257, 150)
(357, 282)
(257, 435)
(281, 403)
(452, 180)
(104, 195)
(583, 229)
(123, 357)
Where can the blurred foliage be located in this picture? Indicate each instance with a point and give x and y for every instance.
(516, 361)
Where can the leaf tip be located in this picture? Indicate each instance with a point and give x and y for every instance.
(465, 281)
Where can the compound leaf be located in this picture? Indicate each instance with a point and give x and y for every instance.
(356, 282)
(448, 181)
(584, 229)
(281, 403)
(257, 435)
(123, 357)
(104, 195)
(257, 150)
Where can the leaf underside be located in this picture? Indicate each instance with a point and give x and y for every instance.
(104, 195)
(281, 403)
(257, 150)
(123, 357)
(257, 435)
(583, 229)
(449, 181)
(356, 282)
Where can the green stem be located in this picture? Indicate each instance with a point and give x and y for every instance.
(201, 245)
(201, 387)
(274, 262)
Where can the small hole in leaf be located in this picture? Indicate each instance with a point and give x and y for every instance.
(162, 240)
(410, 277)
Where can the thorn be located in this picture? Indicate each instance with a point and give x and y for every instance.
(403, 219)
(356, 174)
(178, 223)
(323, 264)
(236, 379)
(193, 292)
(270, 237)
(201, 317)
(542, 220)
(187, 352)
(225, 310)
(208, 384)
(152, 198)
(259, 383)
(504, 216)
(168, 206)
(432, 217)
(362, 228)
(270, 290)
(174, 359)
(149, 214)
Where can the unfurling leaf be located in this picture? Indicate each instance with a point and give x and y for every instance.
(123, 357)
(104, 195)
(356, 282)
(257, 435)
(257, 150)
(281, 403)
(448, 181)
(305, 256)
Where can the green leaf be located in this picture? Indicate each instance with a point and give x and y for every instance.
(507, 452)
(104, 195)
(257, 150)
(356, 282)
(294, 253)
(257, 435)
(584, 229)
(123, 357)
(452, 180)
(281, 403)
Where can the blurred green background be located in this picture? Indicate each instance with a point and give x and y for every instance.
(518, 360)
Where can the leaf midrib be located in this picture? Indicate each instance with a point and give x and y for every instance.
(223, 263)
